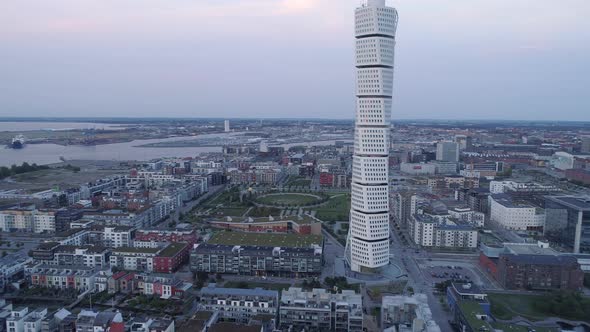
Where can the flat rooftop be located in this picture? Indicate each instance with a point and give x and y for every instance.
(136, 250)
(234, 327)
(574, 202)
(471, 310)
(507, 201)
(528, 249)
(172, 249)
(266, 239)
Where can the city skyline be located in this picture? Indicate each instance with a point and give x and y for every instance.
(492, 60)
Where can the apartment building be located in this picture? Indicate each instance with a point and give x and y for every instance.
(257, 260)
(516, 215)
(53, 253)
(239, 305)
(163, 260)
(428, 231)
(157, 235)
(407, 314)
(117, 236)
(319, 310)
(12, 266)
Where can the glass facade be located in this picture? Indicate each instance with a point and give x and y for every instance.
(567, 223)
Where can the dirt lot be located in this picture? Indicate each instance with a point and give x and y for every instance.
(63, 178)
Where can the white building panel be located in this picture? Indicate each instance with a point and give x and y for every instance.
(370, 170)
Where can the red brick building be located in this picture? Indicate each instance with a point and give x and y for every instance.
(542, 272)
(326, 179)
(579, 175)
(169, 259)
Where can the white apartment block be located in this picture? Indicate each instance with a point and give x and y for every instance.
(16, 321)
(44, 221)
(466, 215)
(427, 231)
(17, 219)
(515, 215)
(27, 219)
(134, 259)
(118, 236)
(32, 322)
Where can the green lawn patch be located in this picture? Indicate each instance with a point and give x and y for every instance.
(264, 212)
(231, 211)
(538, 307)
(298, 181)
(336, 209)
(507, 306)
(265, 239)
(288, 199)
(252, 285)
(519, 328)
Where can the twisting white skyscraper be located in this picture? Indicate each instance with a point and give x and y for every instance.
(367, 246)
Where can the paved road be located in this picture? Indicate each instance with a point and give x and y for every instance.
(187, 207)
(407, 258)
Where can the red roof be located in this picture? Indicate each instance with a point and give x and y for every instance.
(119, 275)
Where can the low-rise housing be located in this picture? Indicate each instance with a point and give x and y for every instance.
(81, 278)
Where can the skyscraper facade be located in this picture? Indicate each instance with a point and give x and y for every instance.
(447, 151)
(367, 246)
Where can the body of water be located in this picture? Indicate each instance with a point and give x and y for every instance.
(51, 153)
(30, 126)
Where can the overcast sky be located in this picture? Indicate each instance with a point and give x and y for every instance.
(475, 59)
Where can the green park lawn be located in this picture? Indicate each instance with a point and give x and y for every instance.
(336, 209)
(287, 199)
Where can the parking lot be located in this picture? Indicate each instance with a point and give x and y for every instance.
(449, 272)
(435, 271)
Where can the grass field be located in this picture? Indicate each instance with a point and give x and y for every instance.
(265, 239)
(227, 198)
(298, 181)
(288, 199)
(231, 211)
(507, 306)
(518, 328)
(264, 212)
(56, 177)
(336, 209)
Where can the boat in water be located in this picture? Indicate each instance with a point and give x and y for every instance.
(18, 142)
